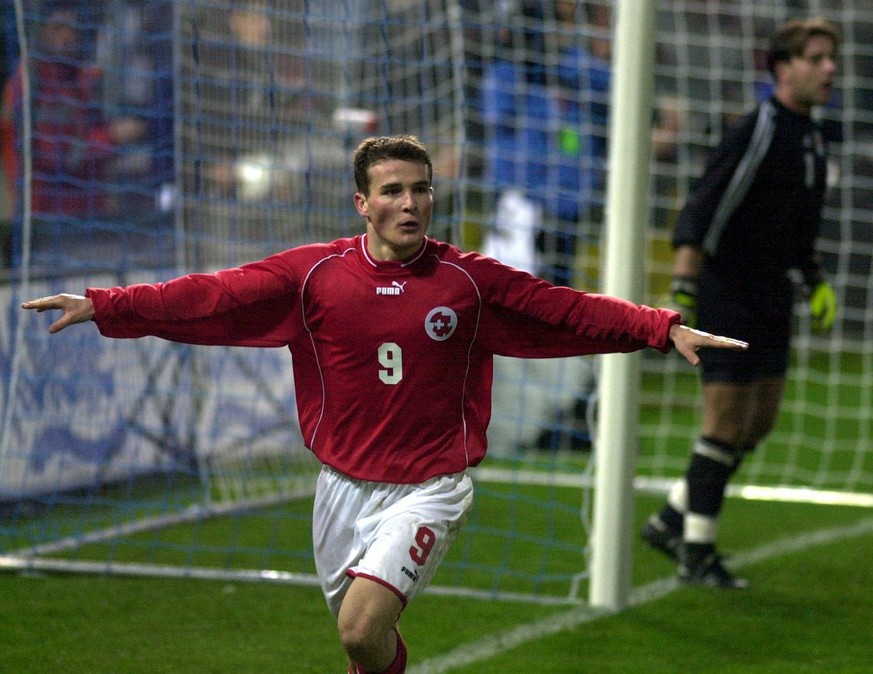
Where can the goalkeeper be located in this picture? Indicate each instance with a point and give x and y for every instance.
(754, 217)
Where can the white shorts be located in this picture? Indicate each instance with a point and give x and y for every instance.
(394, 534)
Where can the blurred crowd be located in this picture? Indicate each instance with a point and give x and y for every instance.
(97, 96)
(108, 133)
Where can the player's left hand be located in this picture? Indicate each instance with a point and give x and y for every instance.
(823, 306)
(689, 341)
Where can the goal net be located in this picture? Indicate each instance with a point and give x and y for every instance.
(714, 71)
(536, 157)
(197, 135)
(220, 132)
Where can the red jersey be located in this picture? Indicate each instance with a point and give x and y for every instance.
(392, 360)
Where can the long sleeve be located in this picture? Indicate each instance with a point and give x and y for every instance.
(251, 305)
(524, 316)
(616, 326)
(733, 163)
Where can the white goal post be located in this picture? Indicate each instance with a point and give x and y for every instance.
(624, 239)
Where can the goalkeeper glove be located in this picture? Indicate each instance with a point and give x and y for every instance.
(683, 298)
(822, 306)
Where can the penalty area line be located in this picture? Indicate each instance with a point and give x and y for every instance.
(500, 642)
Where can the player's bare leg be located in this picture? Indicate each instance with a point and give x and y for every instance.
(366, 625)
(741, 414)
(768, 400)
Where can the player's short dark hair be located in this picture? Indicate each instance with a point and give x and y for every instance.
(790, 40)
(372, 151)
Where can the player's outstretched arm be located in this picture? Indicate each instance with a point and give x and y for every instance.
(77, 309)
(688, 342)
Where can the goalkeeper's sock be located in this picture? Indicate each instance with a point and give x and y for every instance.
(673, 512)
(710, 468)
(699, 530)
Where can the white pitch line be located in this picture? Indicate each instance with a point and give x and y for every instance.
(500, 642)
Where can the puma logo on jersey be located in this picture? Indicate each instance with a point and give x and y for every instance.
(396, 288)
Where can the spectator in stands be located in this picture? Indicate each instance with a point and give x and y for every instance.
(671, 119)
(253, 101)
(72, 140)
(539, 99)
(252, 85)
(545, 104)
(134, 51)
(753, 218)
(515, 108)
(541, 145)
(584, 77)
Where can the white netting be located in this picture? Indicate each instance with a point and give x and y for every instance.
(239, 119)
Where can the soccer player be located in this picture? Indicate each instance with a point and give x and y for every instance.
(392, 335)
(754, 217)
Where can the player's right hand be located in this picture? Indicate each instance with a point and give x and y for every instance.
(683, 298)
(77, 309)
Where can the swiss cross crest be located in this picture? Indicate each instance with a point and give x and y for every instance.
(440, 323)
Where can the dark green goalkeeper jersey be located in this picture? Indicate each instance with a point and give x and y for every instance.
(756, 211)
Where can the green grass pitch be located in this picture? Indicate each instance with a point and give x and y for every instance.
(807, 610)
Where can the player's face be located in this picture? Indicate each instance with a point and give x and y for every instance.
(810, 77)
(398, 208)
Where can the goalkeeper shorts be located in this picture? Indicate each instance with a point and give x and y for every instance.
(393, 534)
(758, 313)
